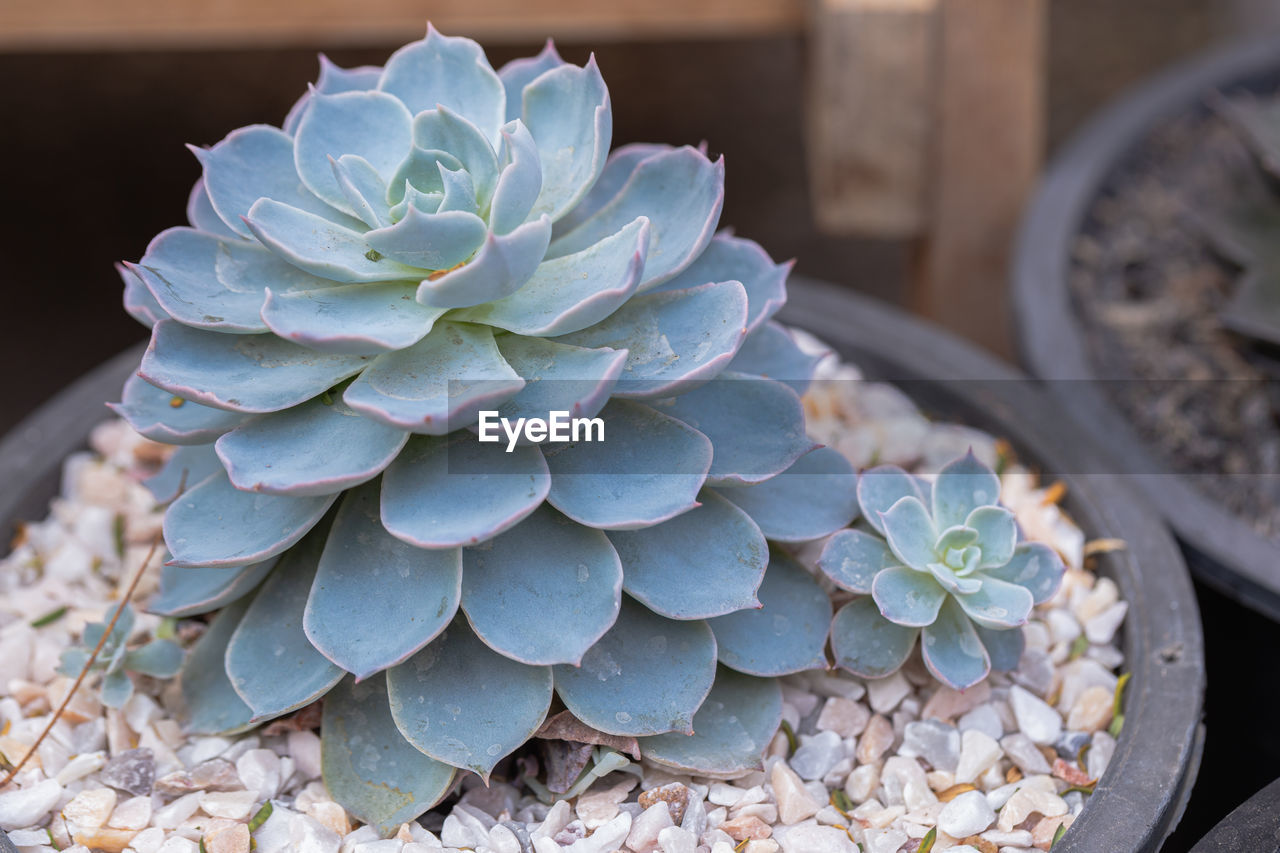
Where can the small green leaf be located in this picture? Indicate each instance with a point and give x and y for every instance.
(1118, 702)
(203, 849)
(1084, 789)
(1057, 833)
(841, 801)
(167, 629)
(49, 618)
(260, 817)
(117, 532)
(926, 843)
(1079, 646)
(792, 743)
(1117, 724)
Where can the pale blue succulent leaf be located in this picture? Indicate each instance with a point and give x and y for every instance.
(681, 192)
(116, 688)
(353, 319)
(271, 663)
(364, 188)
(313, 449)
(138, 301)
(253, 163)
(853, 558)
(73, 660)
(958, 537)
(951, 581)
(567, 111)
(185, 467)
(558, 378)
(646, 676)
(543, 592)
(518, 73)
(811, 499)
(952, 650)
(331, 81)
(648, 469)
(733, 727)
(1004, 647)
(706, 562)
(450, 72)
(787, 634)
(881, 487)
(213, 706)
(502, 265)
(181, 270)
(569, 294)
(729, 258)
(867, 644)
(771, 351)
(214, 524)
(443, 129)
(201, 215)
(158, 658)
(462, 703)
(1034, 566)
(242, 373)
(676, 340)
(191, 592)
(367, 764)
(459, 191)
(371, 125)
(437, 385)
(961, 487)
(997, 534)
(728, 410)
(455, 490)
(519, 180)
(429, 241)
(322, 248)
(907, 596)
(910, 532)
(997, 604)
(402, 596)
(420, 174)
(621, 162)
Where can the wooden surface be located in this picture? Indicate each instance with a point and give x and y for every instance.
(872, 72)
(989, 145)
(126, 24)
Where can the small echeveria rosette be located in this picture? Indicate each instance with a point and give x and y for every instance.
(421, 242)
(940, 562)
(158, 658)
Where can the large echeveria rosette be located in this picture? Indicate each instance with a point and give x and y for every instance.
(419, 243)
(941, 562)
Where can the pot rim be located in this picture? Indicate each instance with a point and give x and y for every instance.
(1141, 797)
(1223, 549)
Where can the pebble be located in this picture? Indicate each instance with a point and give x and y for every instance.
(1024, 754)
(231, 805)
(983, 718)
(675, 795)
(1099, 755)
(862, 781)
(1102, 627)
(132, 771)
(1026, 802)
(904, 783)
(108, 840)
(27, 806)
(934, 741)
(817, 755)
(875, 740)
(795, 803)
(845, 717)
(884, 840)
(1039, 722)
(231, 839)
(811, 838)
(134, 813)
(1091, 710)
(746, 827)
(947, 703)
(260, 772)
(1046, 828)
(968, 814)
(978, 751)
(91, 808)
(673, 839)
(643, 837)
(884, 694)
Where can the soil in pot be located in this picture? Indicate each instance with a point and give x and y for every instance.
(1149, 277)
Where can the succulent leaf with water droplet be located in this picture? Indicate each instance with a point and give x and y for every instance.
(419, 243)
(940, 562)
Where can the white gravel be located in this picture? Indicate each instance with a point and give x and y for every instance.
(879, 763)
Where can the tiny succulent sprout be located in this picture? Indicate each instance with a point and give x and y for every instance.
(158, 658)
(418, 244)
(940, 562)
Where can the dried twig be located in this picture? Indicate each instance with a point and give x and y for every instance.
(128, 594)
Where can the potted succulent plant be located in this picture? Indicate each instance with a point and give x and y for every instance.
(433, 250)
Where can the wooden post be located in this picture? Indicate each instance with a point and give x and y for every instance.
(870, 114)
(989, 139)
